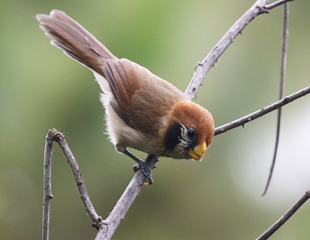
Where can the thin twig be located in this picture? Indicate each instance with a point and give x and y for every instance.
(282, 78)
(285, 217)
(209, 61)
(203, 67)
(59, 138)
(259, 113)
(105, 232)
(107, 227)
(47, 186)
(276, 4)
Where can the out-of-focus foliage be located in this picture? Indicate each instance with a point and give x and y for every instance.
(218, 198)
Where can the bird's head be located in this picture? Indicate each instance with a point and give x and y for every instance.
(189, 131)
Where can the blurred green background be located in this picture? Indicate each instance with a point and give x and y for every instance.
(218, 198)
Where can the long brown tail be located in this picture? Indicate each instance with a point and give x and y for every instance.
(74, 40)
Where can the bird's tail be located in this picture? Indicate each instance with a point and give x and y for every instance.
(74, 40)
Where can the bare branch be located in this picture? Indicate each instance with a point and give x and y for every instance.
(259, 113)
(107, 227)
(285, 217)
(276, 4)
(282, 78)
(123, 204)
(106, 232)
(203, 67)
(59, 138)
(47, 186)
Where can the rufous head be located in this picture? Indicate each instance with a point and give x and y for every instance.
(189, 132)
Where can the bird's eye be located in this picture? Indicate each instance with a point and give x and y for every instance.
(191, 134)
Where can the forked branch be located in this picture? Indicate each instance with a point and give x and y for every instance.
(107, 227)
(59, 138)
(203, 67)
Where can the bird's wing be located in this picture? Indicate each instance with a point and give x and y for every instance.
(142, 99)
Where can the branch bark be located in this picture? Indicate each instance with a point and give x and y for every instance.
(282, 78)
(285, 217)
(59, 138)
(276, 4)
(121, 207)
(107, 227)
(47, 186)
(203, 67)
(259, 113)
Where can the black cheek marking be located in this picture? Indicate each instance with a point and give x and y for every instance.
(172, 137)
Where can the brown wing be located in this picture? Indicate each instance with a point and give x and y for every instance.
(143, 99)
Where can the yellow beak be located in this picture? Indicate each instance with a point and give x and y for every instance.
(198, 152)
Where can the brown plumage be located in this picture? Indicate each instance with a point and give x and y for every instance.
(143, 111)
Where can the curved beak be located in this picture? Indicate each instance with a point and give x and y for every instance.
(198, 152)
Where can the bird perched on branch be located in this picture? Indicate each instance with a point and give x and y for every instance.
(143, 111)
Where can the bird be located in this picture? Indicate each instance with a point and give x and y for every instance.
(142, 110)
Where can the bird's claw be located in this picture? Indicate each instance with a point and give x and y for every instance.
(146, 171)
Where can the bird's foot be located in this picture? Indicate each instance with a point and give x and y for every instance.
(146, 171)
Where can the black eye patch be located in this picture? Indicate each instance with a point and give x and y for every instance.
(172, 137)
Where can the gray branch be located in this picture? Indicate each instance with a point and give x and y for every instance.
(259, 113)
(203, 67)
(107, 227)
(121, 207)
(285, 217)
(276, 4)
(281, 90)
(47, 186)
(59, 138)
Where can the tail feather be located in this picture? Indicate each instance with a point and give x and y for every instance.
(74, 40)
